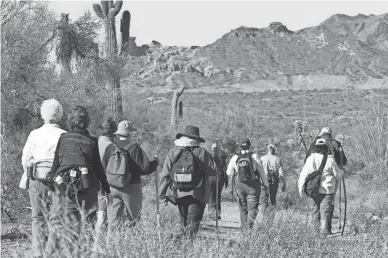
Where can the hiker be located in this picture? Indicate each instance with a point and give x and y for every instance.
(185, 173)
(335, 147)
(37, 159)
(124, 162)
(222, 180)
(77, 168)
(324, 199)
(109, 126)
(273, 169)
(247, 170)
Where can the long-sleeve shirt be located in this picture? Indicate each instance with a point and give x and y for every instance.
(256, 164)
(330, 174)
(78, 148)
(275, 163)
(208, 165)
(139, 164)
(41, 145)
(103, 143)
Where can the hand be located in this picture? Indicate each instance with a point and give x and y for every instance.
(284, 187)
(157, 159)
(301, 193)
(109, 198)
(226, 184)
(164, 202)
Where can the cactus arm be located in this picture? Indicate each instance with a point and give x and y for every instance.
(98, 11)
(117, 6)
(111, 13)
(105, 8)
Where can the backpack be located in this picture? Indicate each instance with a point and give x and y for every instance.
(186, 173)
(313, 181)
(244, 167)
(117, 170)
(273, 175)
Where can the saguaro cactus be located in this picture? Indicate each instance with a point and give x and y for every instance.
(124, 29)
(175, 99)
(107, 11)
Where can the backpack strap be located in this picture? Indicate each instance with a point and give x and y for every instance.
(323, 164)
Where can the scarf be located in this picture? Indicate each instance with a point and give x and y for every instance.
(186, 142)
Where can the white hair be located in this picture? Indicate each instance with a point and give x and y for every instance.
(51, 111)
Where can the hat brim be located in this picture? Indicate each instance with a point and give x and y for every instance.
(179, 135)
(125, 133)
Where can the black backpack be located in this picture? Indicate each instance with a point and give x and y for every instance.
(186, 173)
(244, 167)
(313, 181)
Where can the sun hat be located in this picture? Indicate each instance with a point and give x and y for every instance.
(325, 130)
(271, 146)
(320, 142)
(125, 128)
(191, 132)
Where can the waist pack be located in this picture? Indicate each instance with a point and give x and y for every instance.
(313, 180)
(117, 171)
(41, 173)
(186, 173)
(75, 181)
(244, 167)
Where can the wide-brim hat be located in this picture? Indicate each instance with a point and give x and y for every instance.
(191, 132)
(125, 128)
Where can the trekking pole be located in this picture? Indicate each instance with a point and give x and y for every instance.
(340, 210)
(343, 184)
(157, 201)
(217, 199)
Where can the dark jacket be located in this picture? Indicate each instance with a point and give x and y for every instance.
(78, 148)
(335, 150)
(208, 165)
(139, 164)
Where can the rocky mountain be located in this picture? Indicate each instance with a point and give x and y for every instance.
(342, 51)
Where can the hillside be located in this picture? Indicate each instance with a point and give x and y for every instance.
(342, 51)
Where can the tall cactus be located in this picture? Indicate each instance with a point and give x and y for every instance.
(124, 29)
(174, 106)
(107, 11)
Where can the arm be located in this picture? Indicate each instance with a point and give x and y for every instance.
(306, 170)
(310, 150)
(144, 164)
(55, 166)
(165, 178)
(337, 172)
(281, 172)
(99, 170)
(231, 166)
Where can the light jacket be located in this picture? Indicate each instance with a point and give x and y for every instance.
(330, 173)
(208, 165)
(257, 166)
(41, 144)
(275, 163)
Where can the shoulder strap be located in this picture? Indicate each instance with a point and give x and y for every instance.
(323, 163)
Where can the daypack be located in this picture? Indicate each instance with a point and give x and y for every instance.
(117, 171)
(313, 181)
(186, 173)
(244, 167)
(273, 175)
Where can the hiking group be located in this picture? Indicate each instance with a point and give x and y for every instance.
(81, 175)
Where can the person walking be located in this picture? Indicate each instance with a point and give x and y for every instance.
(273, 169)
(37, 157)
(323, 201)
(247, 169)
(78, 170)
(222, 180)
(186, 173)
(124, 162)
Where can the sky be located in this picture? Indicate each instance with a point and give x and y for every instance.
(199, 23)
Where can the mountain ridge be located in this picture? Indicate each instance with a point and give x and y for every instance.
(351, 47)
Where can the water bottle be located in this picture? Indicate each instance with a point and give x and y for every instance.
(30, 172)
(59, 181)
(84, 177)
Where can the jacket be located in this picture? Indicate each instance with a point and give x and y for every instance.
(258, 170)
(103, 143)
(78, 148)
(208, 165)
(330, 174)
(139, 164)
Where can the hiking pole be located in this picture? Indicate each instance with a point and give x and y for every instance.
(157, 201)
(340, 210)
(218, 154)
(343, 225)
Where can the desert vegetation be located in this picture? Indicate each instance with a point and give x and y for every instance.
(28, 77)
